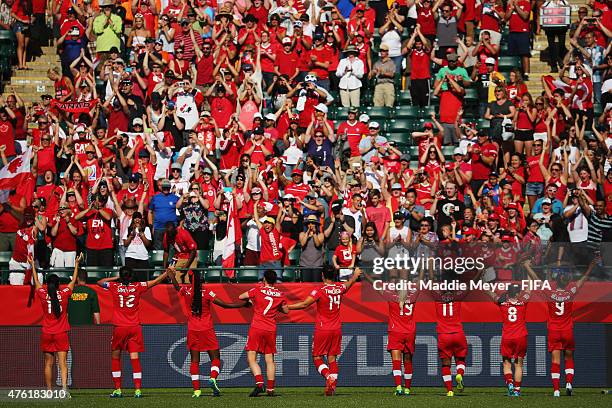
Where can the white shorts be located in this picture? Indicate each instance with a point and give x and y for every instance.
(543, 136)
(17, 278)
(344, 274)
(61, 259)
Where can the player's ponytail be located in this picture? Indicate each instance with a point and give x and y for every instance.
(52, 287)
(196, 301)
(126, 275)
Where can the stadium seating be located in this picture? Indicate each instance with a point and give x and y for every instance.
(246, 275)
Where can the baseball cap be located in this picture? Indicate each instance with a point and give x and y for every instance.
(297, 171)
(287, 197)
(353, 109)
(375, 159)
(452, 57)
(428, 125)
(396, 186)
(384, 47)
(176, 166)
(364, 118)
(405, 157)
(546, 201)
(270, 116)
(134, 178)
(298, 23)
(137, 121)
(513, 206)
(336, 204)
(144, 153)
(360, 7)
(398, 215)
(258, 130)
(207, 171)
(494, 217)
(312, 219)
(490, 61)
(458, 150)
(287, 40)
(321, 108)
(374, 125)
(257, 115)
(269, 220)
(165, 183)
(256, 190)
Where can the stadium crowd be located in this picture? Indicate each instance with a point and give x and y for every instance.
(190, 126)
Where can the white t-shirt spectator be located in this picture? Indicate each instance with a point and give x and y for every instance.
(137, 249)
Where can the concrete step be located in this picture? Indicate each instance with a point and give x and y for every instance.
(30, 81)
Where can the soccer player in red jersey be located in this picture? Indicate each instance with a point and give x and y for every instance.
(328, 327)
(561, 322)
(267, 301)
(401, 336)
(201, 334)
(451, 338)
(513, 307)
(54, 339)
(127, 332)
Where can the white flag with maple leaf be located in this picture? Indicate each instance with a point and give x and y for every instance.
(16, 171)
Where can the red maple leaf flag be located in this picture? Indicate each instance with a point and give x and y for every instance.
(16, 171)
(233, 238)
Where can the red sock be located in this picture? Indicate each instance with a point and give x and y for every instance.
(215, 367)
(407, 373)
(321, 367)
(116, 368)
(460, 366)
(555, 371)
(397, 372)
(446, 376)
(270, 386)
(194, 370)
(508, 378)
(137, 373)
(517, 385)
(333, 370)
(259, 379)
(569, 370)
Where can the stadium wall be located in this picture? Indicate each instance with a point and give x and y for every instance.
(364, 360)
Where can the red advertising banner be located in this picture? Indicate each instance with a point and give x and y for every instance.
(161, 305)
(74, 107)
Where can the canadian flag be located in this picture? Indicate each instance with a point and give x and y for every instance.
(15, 173)
(233, 238)
(584, 91)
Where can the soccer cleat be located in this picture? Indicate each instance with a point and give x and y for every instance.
(450, 394)
(270, 393)
(329, 383)
(137, 394)
(212, 383)
(556, 393)
(332, 387)
(459, 379)
(516, 393)
(116, 394)
(568, 389)
(510, 389)
(399, 390)
(196, 394)
(257, 390)
(406, 391)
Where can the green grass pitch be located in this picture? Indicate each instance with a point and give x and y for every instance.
(361, 397)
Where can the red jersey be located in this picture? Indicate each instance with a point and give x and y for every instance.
(267, 300)
(401, 320)
(560, 307)
(126, 302)
(420, 63)
(204, 321)
(99, 232)
(183, 243)
(328, 298)
(345, 255)
(270, 245)
(448, 316)
(517, 24)
(513, 317)
(353, 133)
(24, 245)
(50, 323)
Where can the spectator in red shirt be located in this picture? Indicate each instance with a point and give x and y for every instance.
(379, 214)
(518, 12)
(99, 242)
(269, 231)
(64, 230)
(183, 247)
